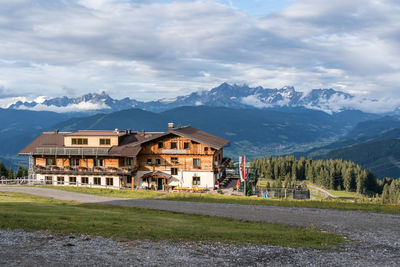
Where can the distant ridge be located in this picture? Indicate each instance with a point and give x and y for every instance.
(225, 95)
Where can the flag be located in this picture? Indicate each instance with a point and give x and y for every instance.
(242, 168)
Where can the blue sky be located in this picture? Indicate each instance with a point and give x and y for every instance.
(150, 49)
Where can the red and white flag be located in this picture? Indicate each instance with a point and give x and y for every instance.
(242, 168)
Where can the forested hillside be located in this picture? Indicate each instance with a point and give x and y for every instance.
(331, 174)
(251, 131)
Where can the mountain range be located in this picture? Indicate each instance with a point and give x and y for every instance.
(225, 95)
(257, 120)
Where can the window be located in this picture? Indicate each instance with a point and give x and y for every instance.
(72, 180)
(160, 144)
(99, 162)
(60, 179)
(149, 162)
(79, 141)
(97, 180)
(105, 141)
(173, 145)
(196, 163)
(109, 181)
(85, 180)
(174, 160)
(50, 162)
(174, 171)
(206, 149)
(48, 179)
(128, 162)
(74, 162)
(158, 161)
(186, 145)
(196, 180)
(129, 179)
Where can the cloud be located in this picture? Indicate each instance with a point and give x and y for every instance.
(153, 49)
(82, 106)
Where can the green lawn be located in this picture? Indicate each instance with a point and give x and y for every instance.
(345, 194)
(32, 213)
(217, 198)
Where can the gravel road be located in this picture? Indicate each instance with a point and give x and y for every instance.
(376, 237)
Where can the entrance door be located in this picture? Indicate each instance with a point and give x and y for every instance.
(159, 184)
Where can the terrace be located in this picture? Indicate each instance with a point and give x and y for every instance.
(79, 170)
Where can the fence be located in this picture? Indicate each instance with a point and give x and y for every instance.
(25, 181)
(295, 193)
(19, 181)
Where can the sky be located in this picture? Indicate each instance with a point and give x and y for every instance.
(160, 48)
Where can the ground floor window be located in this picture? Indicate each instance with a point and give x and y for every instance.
(48, 179)
(97, 180)
(129, 179)
(109, 181)
(174, 171)
(85, 180)
(196, 180)
(60, 180)
(72, 180)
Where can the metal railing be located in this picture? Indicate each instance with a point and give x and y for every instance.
(84, 170)
(72, 151)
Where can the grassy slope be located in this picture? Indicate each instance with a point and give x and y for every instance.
(217, 198)
(32, 213)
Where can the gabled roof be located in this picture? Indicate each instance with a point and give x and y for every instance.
(46, 139)
(193, 134)
(125, 151)
(201, 137)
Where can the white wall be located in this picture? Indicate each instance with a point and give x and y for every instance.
(184, 179)
(116, 179)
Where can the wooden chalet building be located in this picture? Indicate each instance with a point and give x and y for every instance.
(179, 157)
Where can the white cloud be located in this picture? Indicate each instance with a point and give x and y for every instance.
(151, 49)
(82, 106)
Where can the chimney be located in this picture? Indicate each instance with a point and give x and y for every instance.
(57, 131)
(143, 133)
(128, 131)
(116, 130)
(170, 125)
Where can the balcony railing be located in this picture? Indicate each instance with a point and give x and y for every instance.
(72, 151)
(85, 170)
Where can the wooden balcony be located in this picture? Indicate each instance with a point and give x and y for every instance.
(85, 170)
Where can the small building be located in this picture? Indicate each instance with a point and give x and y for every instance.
(179, 157)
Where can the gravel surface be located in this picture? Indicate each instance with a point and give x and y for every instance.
(375, 238)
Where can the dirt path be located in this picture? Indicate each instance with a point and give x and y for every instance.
(374, 234)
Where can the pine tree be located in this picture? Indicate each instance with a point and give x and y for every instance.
(385, 194)
(20, 172)
(3, 170)
(10, 174)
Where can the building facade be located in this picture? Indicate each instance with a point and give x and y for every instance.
(181, 157)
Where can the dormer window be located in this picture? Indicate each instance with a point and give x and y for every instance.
(105, 141)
